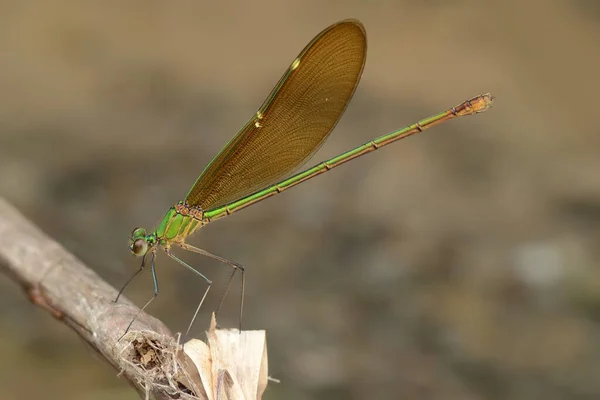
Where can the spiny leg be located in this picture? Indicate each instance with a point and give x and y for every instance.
(131, 278)
(235, 267)
(155, 281)
(208, 281)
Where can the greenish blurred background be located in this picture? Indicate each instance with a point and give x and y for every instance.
(462, 263)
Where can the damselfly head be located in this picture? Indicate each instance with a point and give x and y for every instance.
(138, 244)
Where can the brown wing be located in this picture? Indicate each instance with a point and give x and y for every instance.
(294, 121)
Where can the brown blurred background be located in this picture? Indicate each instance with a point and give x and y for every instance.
(462, 263)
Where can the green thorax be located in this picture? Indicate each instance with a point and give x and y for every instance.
(179, 222)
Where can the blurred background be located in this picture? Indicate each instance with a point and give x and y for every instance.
(462, 263)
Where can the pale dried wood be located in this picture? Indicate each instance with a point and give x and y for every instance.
(233, 366)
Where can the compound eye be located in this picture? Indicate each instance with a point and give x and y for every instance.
(139, 247)
(138, 232)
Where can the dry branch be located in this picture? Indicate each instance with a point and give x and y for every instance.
(231, 366)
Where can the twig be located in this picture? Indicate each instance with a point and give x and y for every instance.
(148, 356)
